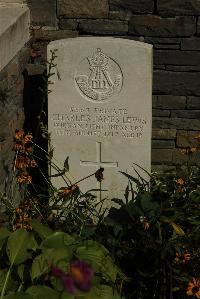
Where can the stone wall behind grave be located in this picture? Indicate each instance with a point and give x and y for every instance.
(11, 111)
(14, 55)
(173, 27)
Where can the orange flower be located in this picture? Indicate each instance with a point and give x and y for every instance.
(146, 225)
(18, 147)
(19, 134)
(24, 178)
(144, 222)
(18, 211)
(26, 226)
(22, 220)
(64, 191)
(33, 163)
(183, 258)
(180, 182)
(197, 137)
(22, 162)
(186, 257)
(193, 288)
(28, 138)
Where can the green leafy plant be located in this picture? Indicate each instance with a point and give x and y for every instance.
(155, 236)
(29, 259)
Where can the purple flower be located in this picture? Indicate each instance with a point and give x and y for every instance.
(82, 274)
(79, 277)
(68, 284)
(58, 273)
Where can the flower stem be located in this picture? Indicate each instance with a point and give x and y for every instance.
(6, 282)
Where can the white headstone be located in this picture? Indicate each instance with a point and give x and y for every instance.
(100, 109)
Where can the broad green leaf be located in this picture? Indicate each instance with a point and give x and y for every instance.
(98, 257)
(4, 234)
(147, 203)
(18, 296)
(39, 267)
(18, 246)
(58, 257)
(11, 284)
(67, 296)
(42, 292)
(56, 284)
(178, 230)
(43, 230)
(100, 292)
(58, 240)
(20, 271)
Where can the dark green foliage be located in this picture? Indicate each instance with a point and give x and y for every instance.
(146, 234)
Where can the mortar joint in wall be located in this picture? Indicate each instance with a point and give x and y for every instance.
(155, 11)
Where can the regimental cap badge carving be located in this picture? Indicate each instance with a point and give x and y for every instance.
(99, 77)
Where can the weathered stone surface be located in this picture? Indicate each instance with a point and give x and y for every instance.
(12, 1)
(161, 168)
(154, 101)
(178, 7)
(198, 27)
(163, 40)
(122, 15)
(163, 133)
(163, 144)
(159, 112)
(11, 73)
(14, 31)
(193, 103)
(132, 37)
(69, 24)
(49, 35)
(176, 57)
(176, 123)
(177, 83)
(192, 43)
(179, 158)
(11, 111)
(160, 156)
(183, 68)
(136, 6)
(109, 118)
(152, 25)
(167, 46)
(171, 102)
(186, 114)
(35, 69)
(41, 47)
(159, 67)
(186, 139)
(103, 27)
(43, 12)
(83, 8)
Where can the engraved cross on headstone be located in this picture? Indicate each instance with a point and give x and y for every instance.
(99, 163)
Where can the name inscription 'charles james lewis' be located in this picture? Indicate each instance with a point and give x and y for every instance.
(100, 110)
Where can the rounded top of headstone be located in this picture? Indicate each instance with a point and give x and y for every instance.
(89, 39)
